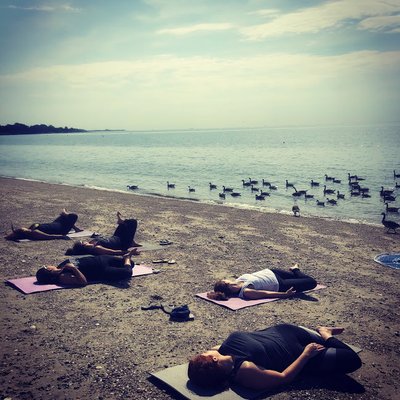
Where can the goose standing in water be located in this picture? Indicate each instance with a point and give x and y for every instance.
(328, 191)
(245, 183)
(395, 175)
(340, 195)
(386, 192)
(212, 186)
(227, 189)
(265, 183)
(329, 178)
(263, 193)
(221, 195)
(320, 203)
(289, 184)
(309, 196)
(235, 194)
(259, 197)
(254, 189)
(331, 201)
(191, 190)
(391, 209)
(253, 182)
(273, 187)
(170, 185)
(132, 187)
(390, 225)
(296, 193)
(314, 183)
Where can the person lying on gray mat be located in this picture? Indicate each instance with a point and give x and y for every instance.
(264, 284)
(84, 270)
(117, 244)
(272, 357)
(57, 229)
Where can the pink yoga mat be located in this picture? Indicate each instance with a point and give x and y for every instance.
(29, 284)
(236, 303)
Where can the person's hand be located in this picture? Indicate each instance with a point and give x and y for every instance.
(290, 292)
(312, 349)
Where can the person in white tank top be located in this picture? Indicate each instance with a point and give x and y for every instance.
(267, 283)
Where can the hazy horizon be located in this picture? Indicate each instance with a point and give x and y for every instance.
(186, 64)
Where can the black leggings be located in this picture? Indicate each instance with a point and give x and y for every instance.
(337, 358)
(60, 226)
(296, 279)
(122, 238)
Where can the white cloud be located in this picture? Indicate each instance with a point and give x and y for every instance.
(389, 23)
(197, 28)
(328, 15)
(43, 8)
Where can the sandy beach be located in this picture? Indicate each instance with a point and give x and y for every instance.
(96, 342)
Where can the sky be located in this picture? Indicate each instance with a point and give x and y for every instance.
(194, 64)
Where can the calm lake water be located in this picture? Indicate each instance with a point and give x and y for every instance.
(113, 160)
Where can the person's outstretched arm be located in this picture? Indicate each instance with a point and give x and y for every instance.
(254, 377)
(253, 294)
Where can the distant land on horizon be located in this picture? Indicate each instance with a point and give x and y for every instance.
(22, 129)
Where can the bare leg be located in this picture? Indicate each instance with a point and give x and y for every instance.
(120, 220)
(327, 332)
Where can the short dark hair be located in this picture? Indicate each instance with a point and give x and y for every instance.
(203, 371)
(43, 275)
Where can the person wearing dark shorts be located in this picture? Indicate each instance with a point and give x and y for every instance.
(84, 270)
(116, 244)
(272, 357)
(58, 229)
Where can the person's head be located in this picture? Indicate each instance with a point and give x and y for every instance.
(209, 370)
(224, 289)
(47, 274)
(77, 249)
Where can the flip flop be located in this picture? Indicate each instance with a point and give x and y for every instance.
(160, 261)
(171, 262)
(165, 242)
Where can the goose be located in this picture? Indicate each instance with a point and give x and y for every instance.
(386, 192)
(329, 178)
(302, 192)
(289, 184)
(253, 182)
(262, 193)
(212, 186)
(246, 183)
(331, 201)
(222, 195)
(235, 194)
(296, 210)
(314, 183)
(191, 190)
(395, 175)
(328, 191)
(365, 195)
(170, 185)
(391, 209)
(132, 187)
(259, 197)
(227, 189)
(351, 177)
(320, 203)
(265, 183)
(254, 189)
(340, 195)
(389, 197)
(355, 192)
(309, 196)
(273, 187)
(390, 225)
(296, 193)
(336, 180)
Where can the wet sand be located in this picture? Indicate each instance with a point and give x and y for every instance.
(97, 343)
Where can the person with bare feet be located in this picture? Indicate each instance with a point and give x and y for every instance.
(58, 229)
(272, 357)
(267, 283)
(84, 270)
(117, 244)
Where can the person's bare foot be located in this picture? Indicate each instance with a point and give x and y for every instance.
(327, 332)
(295, 266)
(120, 219)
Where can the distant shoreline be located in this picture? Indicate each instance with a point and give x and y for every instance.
(22, 129)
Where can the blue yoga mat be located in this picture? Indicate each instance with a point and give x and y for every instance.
(389, 260)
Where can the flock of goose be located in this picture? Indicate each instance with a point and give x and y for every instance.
(262, 189)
